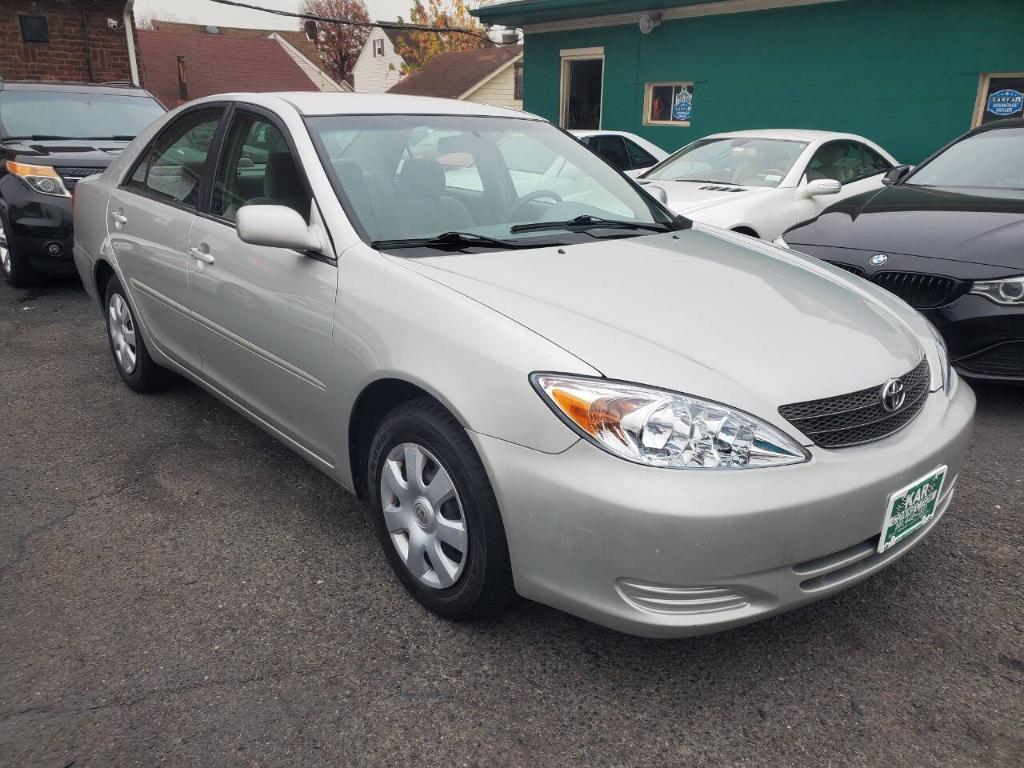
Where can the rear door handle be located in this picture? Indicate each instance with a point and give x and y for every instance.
(201, 253)
(118, 217)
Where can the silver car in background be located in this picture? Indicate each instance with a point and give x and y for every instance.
(570, 395)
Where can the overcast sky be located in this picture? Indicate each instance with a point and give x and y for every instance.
(206, 12)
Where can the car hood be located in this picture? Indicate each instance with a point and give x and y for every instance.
(87, 153)
(960, 225)
(708, 314)
(688, 197)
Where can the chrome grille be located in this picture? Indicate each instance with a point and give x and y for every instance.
(918, 290)
(858, 417)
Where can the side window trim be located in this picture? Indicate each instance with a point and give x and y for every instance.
(239, 108)
(123, 183)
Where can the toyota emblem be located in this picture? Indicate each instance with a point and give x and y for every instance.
(893, 395)
(879, 259)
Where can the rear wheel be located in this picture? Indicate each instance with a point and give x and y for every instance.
(131, 357)
(436, 515)
(17, 271)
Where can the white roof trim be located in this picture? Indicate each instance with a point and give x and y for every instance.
(668, 14)
(494, 74)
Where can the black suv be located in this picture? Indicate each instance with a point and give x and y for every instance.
(52, 135)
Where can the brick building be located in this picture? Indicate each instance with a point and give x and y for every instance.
(78, 40)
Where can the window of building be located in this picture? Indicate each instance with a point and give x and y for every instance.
(518, 87)
(378, 47)
(1000, 95)
(34, 29)
(668, 103)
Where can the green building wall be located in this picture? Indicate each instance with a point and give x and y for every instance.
(902, 72)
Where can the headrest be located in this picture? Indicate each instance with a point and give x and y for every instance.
(282, 180)
(350, 174)
(422, 178)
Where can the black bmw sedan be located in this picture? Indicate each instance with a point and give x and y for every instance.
(948, 238)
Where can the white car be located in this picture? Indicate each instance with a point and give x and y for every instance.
(628, 152)
(761, 183)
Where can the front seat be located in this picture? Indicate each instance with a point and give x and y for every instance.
(426, 209)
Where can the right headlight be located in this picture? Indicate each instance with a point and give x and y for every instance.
(945, 367)
(665, 429)
(1008, 291)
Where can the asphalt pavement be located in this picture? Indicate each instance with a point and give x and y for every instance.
(176, 588)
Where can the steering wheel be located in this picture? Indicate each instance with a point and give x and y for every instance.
(530, 197)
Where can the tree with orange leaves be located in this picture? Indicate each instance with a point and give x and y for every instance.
(339, 44)
(417, 48)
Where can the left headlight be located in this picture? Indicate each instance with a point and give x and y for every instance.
(665, 429)
(42, 178)
(1009, 290)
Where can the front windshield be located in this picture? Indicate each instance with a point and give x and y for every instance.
(992, 159)
(75, 115)
(408, 177)
(743, 161)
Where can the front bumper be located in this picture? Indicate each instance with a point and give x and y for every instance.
(985, 339)
(39, 226)
(673, 553)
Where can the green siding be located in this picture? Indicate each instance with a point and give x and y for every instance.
(902, 72)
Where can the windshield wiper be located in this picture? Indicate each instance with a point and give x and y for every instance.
(710, 181)
(125, 137)
(454, 241)
(587, 221)
(39, 137)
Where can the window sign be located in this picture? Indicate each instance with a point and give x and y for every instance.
(668, 104)
(999, 96)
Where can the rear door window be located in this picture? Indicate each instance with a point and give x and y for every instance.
(172, 168)
(638, 156)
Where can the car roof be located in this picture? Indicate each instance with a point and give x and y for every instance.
(316, 103)
(119, 89)
(790, 134)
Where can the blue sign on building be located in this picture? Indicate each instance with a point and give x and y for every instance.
(1006, 102)
(683, 106)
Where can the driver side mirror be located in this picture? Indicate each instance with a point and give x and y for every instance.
(822, 187)
(658, 193)
(276, 226)
(896, 175)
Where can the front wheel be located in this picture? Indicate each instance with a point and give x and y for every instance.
(435, 513)
(17, 271)
(131, 358)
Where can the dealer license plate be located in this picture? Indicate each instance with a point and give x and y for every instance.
(910, 508)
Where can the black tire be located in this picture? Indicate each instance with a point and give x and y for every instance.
(145, 375)
(485, 586)
(16, 268)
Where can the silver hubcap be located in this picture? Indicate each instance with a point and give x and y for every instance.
(424, 515)
(122, 333)
(5, 251)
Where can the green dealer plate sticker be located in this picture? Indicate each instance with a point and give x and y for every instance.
(910, 508)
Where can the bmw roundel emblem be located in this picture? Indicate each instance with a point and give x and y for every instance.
(879, 259)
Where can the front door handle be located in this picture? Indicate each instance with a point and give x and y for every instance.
(201, 253)
(118, 218)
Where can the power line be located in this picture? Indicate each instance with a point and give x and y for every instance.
(354, 23)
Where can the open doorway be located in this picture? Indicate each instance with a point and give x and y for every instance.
(581, 93)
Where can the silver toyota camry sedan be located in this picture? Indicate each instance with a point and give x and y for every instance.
(542, 381)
